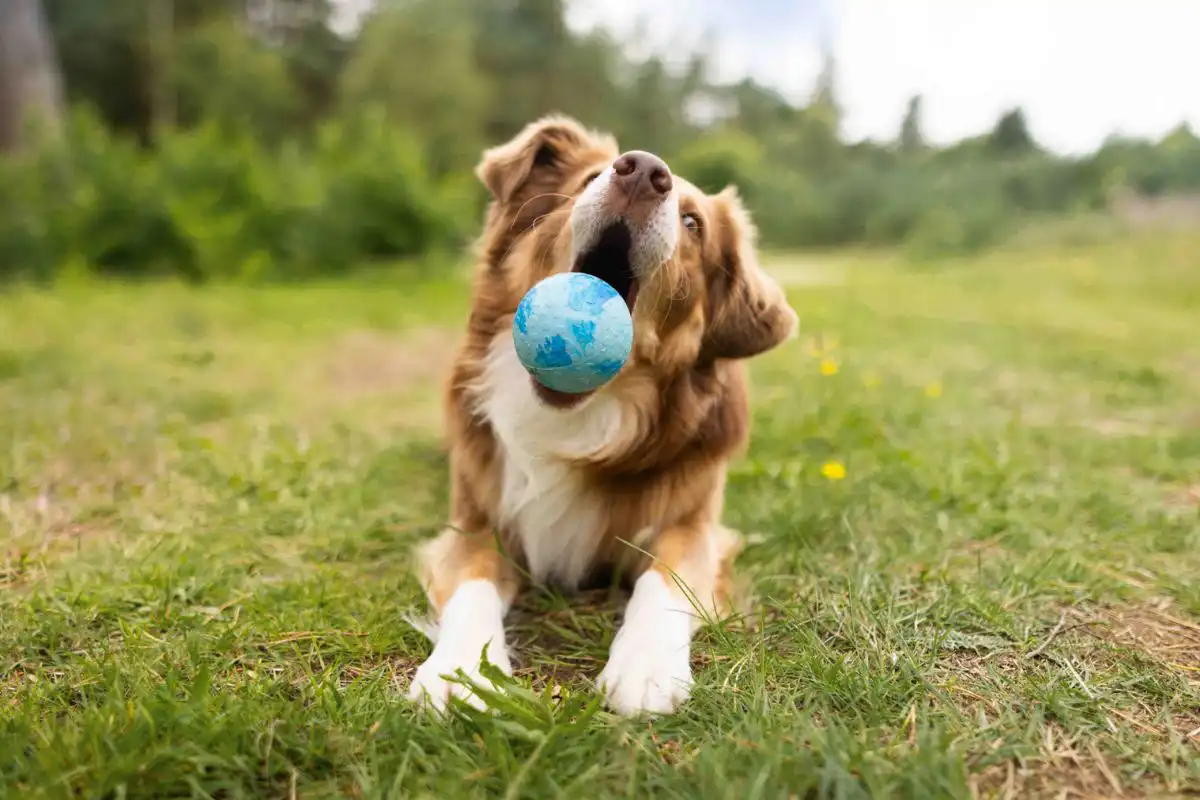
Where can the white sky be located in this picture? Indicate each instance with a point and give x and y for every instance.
(1081, 69)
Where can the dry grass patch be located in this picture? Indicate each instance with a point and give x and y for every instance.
(1154, 629)
(1067, 768)
(370, 362)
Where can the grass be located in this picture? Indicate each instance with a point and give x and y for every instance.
(208, 498)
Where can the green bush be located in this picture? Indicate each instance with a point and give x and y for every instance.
(85, 198)
(223, 201)
(379, 198)
(930, 206)
(213, 203)
(948, 231)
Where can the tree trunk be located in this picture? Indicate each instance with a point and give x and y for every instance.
(161, 16)
(30, 81)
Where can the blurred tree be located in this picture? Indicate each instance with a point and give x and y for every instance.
(426, 84)
(821, 148)
(523, 47)
(912, 140)
(109, 50)
(280, 21)
(417, 61)
(1011, 135)
(119, 56)
(300, 31)
(654, 109)
(30, 82)
(315, 57)
(595, 96)
(1180, 139)
(760, 108)
(223, 76)
(824, 107)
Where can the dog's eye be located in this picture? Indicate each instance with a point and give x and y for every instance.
(691, 222)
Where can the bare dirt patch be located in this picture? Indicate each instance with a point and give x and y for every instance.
(390, 381)
(1086, 641)
(1172, 212)
(369, 362)
(38, 530)
(556, 642)
(1154, 629)
(1185, 498)
(1066, 768)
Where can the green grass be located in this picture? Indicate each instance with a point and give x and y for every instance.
(208, 500)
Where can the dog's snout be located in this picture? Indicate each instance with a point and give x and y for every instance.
(642, 176)
(638, 193)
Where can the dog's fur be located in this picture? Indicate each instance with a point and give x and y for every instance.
(631, 477)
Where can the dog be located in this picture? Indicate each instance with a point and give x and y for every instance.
(560, 488)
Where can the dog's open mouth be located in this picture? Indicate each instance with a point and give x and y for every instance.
(608, 260)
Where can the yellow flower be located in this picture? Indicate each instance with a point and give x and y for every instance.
(828, 367)
(834, 470)
(933, 390)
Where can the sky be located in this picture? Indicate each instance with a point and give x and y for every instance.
(1081, 69)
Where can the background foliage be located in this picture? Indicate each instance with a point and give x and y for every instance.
(245, 139)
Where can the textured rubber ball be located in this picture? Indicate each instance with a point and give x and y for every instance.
(572, 332)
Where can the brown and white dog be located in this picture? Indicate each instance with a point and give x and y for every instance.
(561, 488)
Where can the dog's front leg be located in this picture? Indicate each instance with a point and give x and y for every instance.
(649, 666)
(470, 586)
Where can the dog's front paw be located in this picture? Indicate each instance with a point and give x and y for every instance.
(432, 686)
(645, 674)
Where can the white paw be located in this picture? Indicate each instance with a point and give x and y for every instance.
(649, 667)
(644, 677)
(472, 619)
(432, 686)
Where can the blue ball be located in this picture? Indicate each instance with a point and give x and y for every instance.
(572, 332)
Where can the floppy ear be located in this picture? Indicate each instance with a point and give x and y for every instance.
(542, 144)
(748, 313)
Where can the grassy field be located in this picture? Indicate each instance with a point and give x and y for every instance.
(974, 561)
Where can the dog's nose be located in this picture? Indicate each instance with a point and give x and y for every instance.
(642, 176)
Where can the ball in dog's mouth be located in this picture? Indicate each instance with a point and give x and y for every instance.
(607, 259)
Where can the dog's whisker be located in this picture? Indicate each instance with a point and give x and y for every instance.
(517, 215)
(508, 250)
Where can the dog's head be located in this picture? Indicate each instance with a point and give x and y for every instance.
(565, 198)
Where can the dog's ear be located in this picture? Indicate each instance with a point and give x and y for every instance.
(748, 313)
(546, 144)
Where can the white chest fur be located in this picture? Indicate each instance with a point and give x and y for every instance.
(544, 500)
